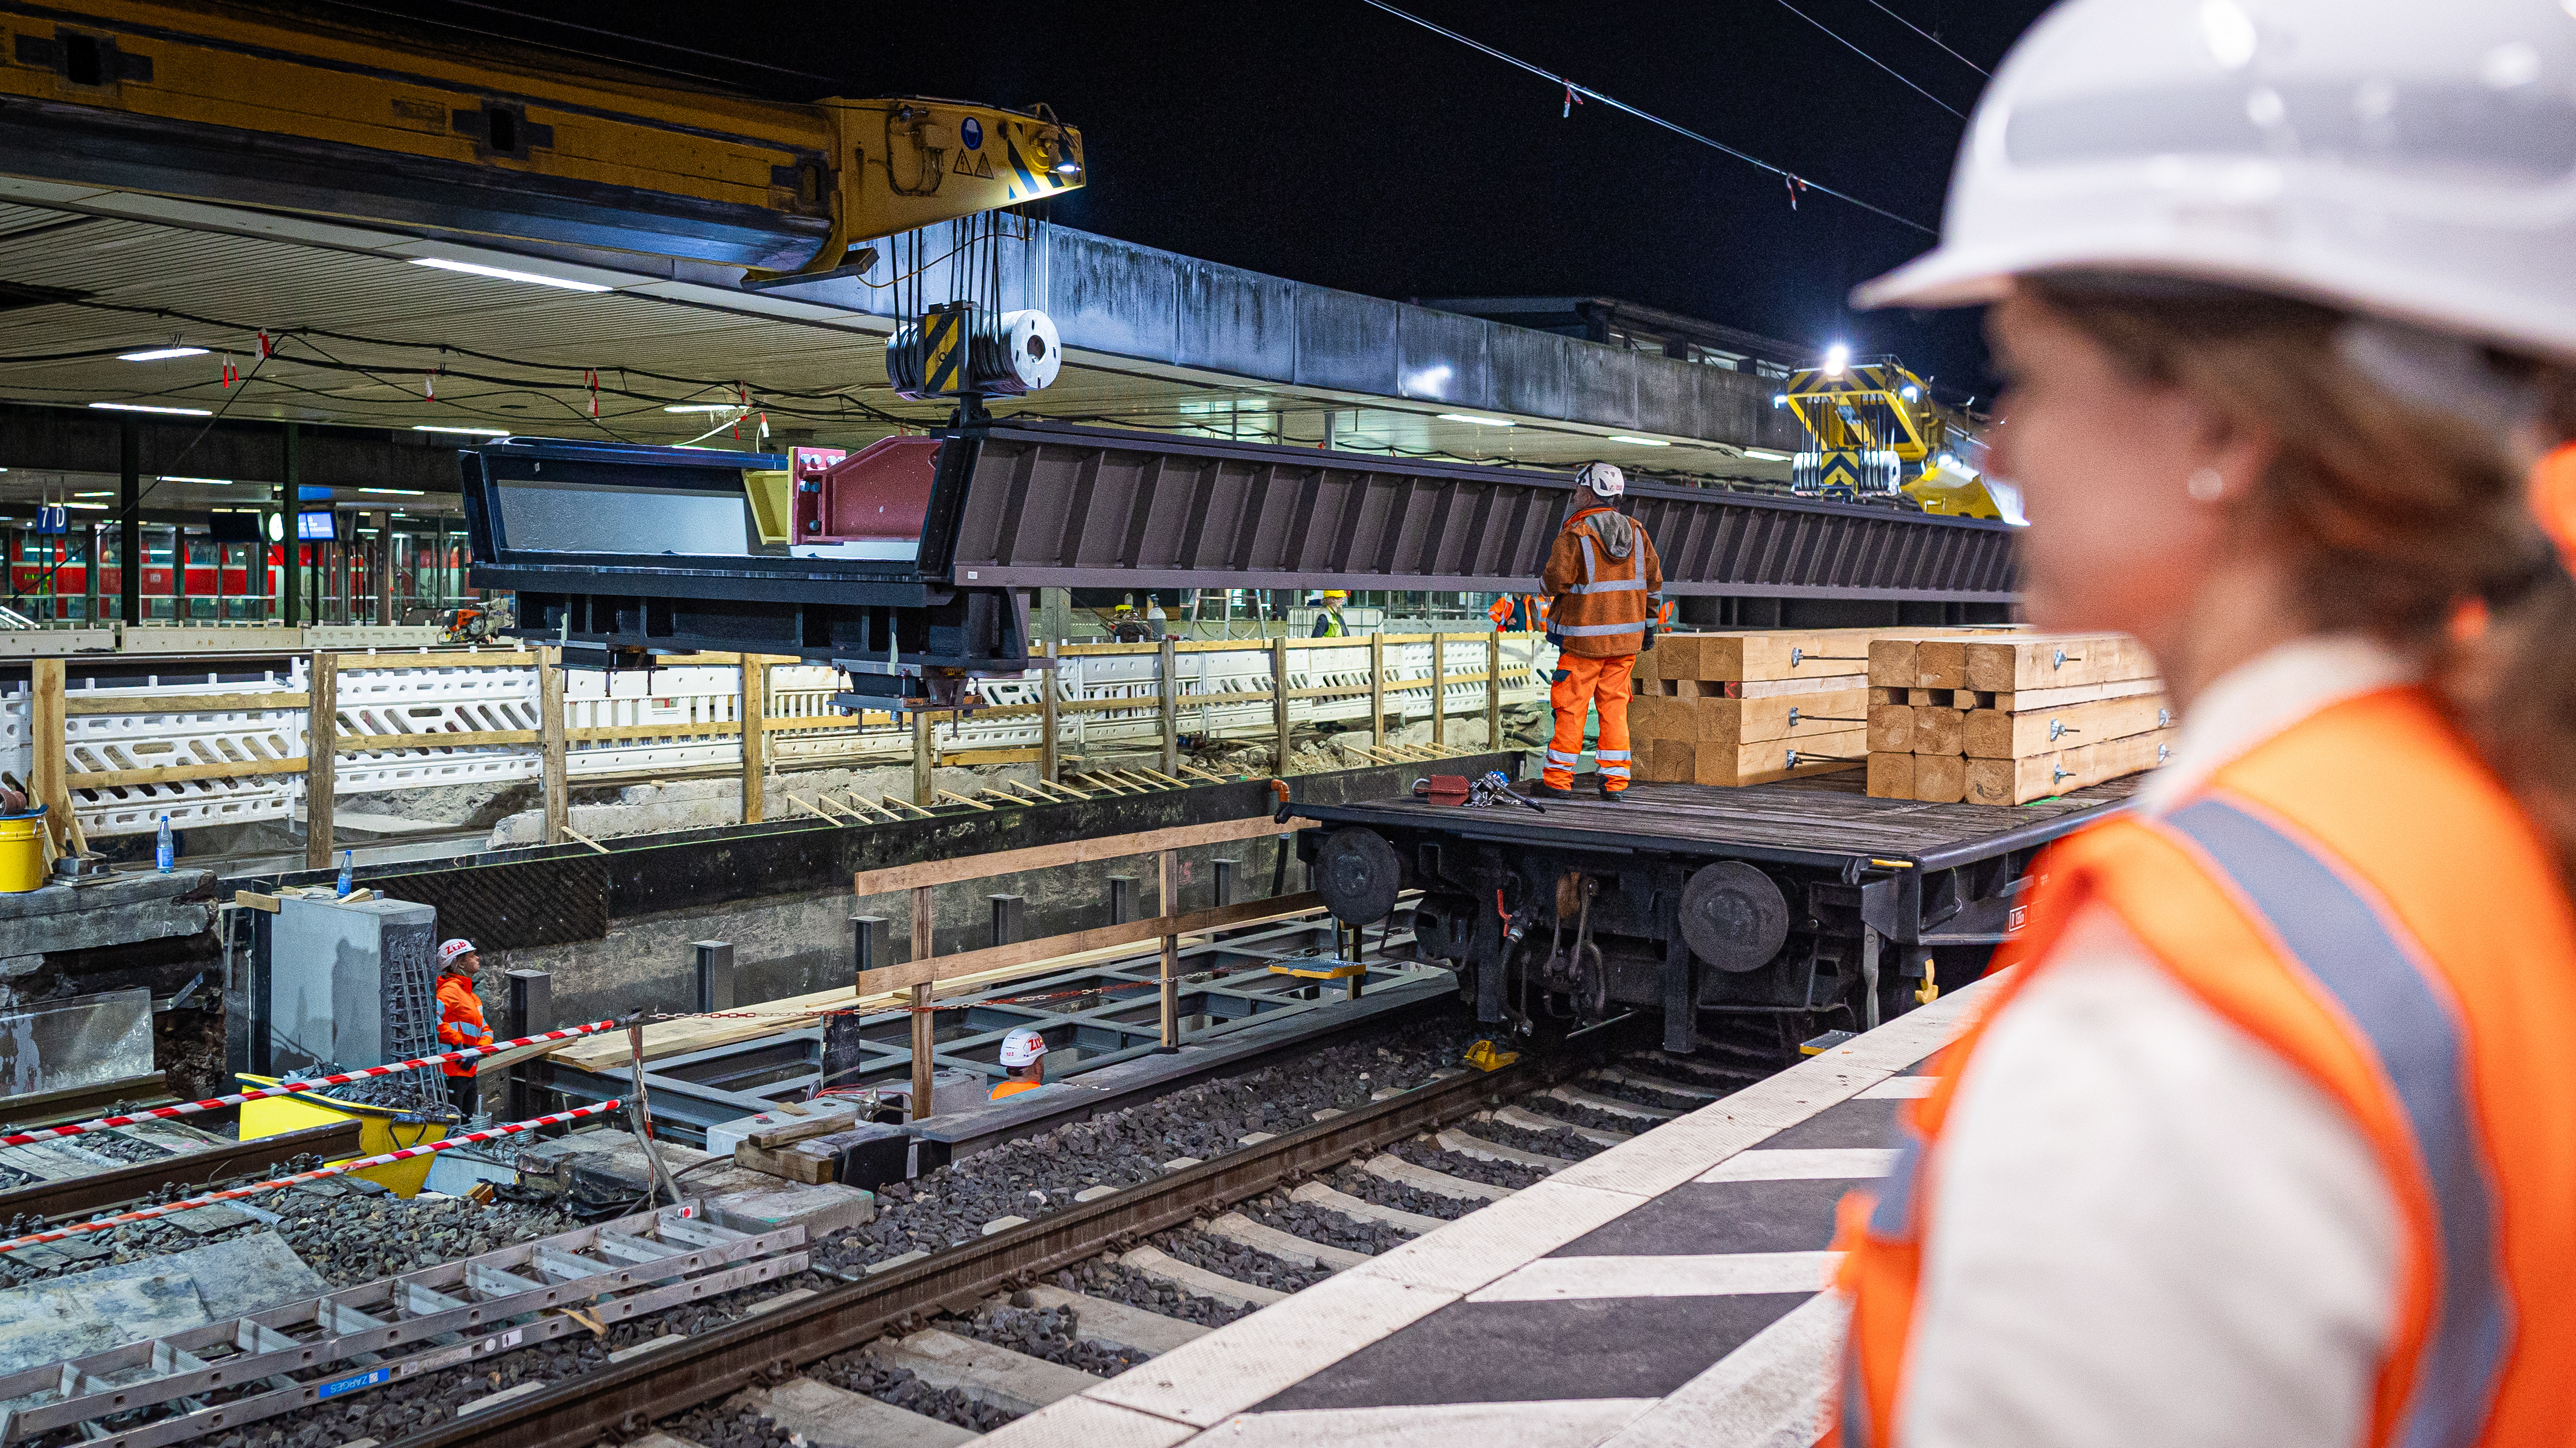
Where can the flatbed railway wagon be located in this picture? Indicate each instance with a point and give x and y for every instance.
(1803, 900)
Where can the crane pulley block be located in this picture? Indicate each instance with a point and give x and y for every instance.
(959, 350)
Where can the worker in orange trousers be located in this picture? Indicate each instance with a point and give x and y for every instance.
(1605, 586)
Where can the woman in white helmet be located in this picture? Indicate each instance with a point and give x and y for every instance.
(2271, 1138)
(1024, 1057)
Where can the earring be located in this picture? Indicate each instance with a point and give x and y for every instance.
(2206, 485)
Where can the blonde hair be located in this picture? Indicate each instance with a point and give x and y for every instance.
(2393, 517)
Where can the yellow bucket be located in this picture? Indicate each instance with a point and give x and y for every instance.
(378, 1130)
(22, 852)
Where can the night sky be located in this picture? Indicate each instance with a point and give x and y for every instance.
(1332, 143)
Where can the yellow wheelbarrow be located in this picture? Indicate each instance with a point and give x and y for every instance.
(380, 1130)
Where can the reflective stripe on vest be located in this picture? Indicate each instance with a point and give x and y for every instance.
(1599, 630)
(1591, 584)
(2346, 943)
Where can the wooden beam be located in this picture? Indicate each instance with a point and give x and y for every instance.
(1494, 690)
(755, 710)
(321, 755)
(1049, 761)
(922, 758)
(924, 941)
(1279, 703)
(180, 773)
(48, 747)
(552, 769)
(921, 973)
(471, 739)
(1170, 978)
(961, 799)
(1070, 852)
(1377, 689)
(77, 707)
(503, 659)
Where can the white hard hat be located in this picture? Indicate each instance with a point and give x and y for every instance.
(2414, 161)
(1022, 1046)
(1604, 479)
(449, 950)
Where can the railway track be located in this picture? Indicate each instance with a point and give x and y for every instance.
(929, 1339)
(945, 1333)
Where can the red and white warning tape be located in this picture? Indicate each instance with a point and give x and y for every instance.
(145, 1214)
(290, 1088)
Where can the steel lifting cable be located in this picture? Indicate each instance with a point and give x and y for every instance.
(291, 1088)
(231, 1194)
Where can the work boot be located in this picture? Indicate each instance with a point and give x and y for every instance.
(1545, 790)
(1612, 796)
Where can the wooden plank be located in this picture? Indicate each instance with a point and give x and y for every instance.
(2055, 662)
(1439, 695)
(1748, 721)
(1879, 694)
(253, 900)
(1493, 691)
(554, 783)
(1050, 727)
(2024, 701)
(1993, 734)
(1891, 776)
(1279, 705)
(1680, 761)
(1776, 688)
(2019, 781)
(49, 765)
(1940, 778)
(1131, 932)
(754, 705)
(1941, 664)
(1939, 731)
(1070, 852)
(1167, 692)
(1377, 692)
(1891, 729)
(503, 659)
(77, 706)
(321, 755)
(924, 756)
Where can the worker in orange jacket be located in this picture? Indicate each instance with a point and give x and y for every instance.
(1605, 587)
(1024, 1057)
(2269, 1136)
(460, 1020)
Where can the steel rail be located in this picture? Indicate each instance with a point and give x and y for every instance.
(630, 1397)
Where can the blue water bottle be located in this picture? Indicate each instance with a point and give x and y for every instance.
(348, 867)
(163, 854)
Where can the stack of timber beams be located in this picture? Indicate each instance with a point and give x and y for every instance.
(1748, 708)
(2005, 720)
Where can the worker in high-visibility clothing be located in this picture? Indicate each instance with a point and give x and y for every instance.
(1328, 624)
(2270, 1134)
(1024, 1057)
(460, 1021)
(1606, 586)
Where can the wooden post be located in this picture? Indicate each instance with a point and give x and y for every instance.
(1169, 668)
(1440, 692)
(384, 567)
(1377, 691)
(921, 757)
(1279, 702)
(321, 753)
(1049, 762)
(47, 746)
(922, 1020)
(1171, 979)
(550, 734)
(755, 739)
(1494, 690)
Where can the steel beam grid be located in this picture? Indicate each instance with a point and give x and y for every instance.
(686, 1104)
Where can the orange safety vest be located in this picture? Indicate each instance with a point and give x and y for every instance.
(2362, 896)
(1013, 1088)
(460, 1021)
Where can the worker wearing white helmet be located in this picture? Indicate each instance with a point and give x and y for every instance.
(1606, 585)
(460, 1020)
(1024, 1056)
(2271, 1136)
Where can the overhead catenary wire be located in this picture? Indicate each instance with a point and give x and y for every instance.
(1588, 93)
(1874, 60)
(1928, 35)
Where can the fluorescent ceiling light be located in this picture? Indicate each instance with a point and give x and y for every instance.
(475, 431)
(93, 495)
(141, 407)
(1637, 441)
(1765, 455)
(396, 492)
(706, 407)
(1478, 421)
(218, 482)
(160, 354)
(93, 507)
(507, 275)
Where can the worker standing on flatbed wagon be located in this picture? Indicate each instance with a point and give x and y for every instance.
(2270, 1137)
(1606, 585)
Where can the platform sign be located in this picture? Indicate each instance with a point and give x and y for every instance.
(53, 518)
